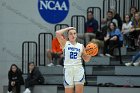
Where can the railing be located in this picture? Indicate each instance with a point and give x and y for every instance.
(44, 43)
(29, 54)
(60, 26)
(78, 21)
(122, 6)
(107, 4)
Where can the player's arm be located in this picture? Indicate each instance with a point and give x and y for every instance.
(85, 57)
(59, 35)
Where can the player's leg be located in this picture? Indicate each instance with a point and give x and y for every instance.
(79, 79)
(79, 88)
(69, 90)
(49, 56)
(68, 80)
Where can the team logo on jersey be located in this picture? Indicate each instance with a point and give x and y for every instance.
(53, 11)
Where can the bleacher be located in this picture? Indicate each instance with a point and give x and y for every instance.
(124, 79)
(102, 73)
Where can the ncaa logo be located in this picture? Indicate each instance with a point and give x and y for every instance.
(53, 11)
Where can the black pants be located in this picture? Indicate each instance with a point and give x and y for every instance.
(109, 46)
(29, 83)
(126, 39)
(58, 57)
(134, 36)
(17, 87)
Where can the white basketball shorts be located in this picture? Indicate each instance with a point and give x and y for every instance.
(73, 75)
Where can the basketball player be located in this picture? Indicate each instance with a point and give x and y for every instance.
(73, 54)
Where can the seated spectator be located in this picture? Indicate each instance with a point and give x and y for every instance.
(55, 53)
(105, 22)
(126, 29)
(135, 27)
(110, 18)
(91, 28)
(136, 22)
(134, 59)
(133, 10)
(34, 78)
(15, 79)
(117, 17)
(113, 39)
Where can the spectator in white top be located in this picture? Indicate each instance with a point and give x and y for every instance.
(126, 28)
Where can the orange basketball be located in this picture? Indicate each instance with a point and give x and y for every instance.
(91, 49)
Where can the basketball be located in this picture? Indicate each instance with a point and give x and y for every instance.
(91, 49)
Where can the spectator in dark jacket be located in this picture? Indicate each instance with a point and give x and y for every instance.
(34, 78)
(15, 79)
(92, 24)
(91, 28)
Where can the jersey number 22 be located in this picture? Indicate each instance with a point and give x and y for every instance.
(73, 55)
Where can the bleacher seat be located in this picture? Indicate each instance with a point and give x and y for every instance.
(53, 79)
(89, 70)
(123, 51)
(123, 70)
(37, 89)
(99, 61)
(51, 70)
(90, 89)
(119, 80)
(103, 70)
(118, 90)
(91, 80)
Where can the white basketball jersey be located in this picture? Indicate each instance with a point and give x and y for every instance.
(72, 54)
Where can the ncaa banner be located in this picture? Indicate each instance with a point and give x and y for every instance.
(53, 11)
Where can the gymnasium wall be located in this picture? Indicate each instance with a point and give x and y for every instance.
(20, 21)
